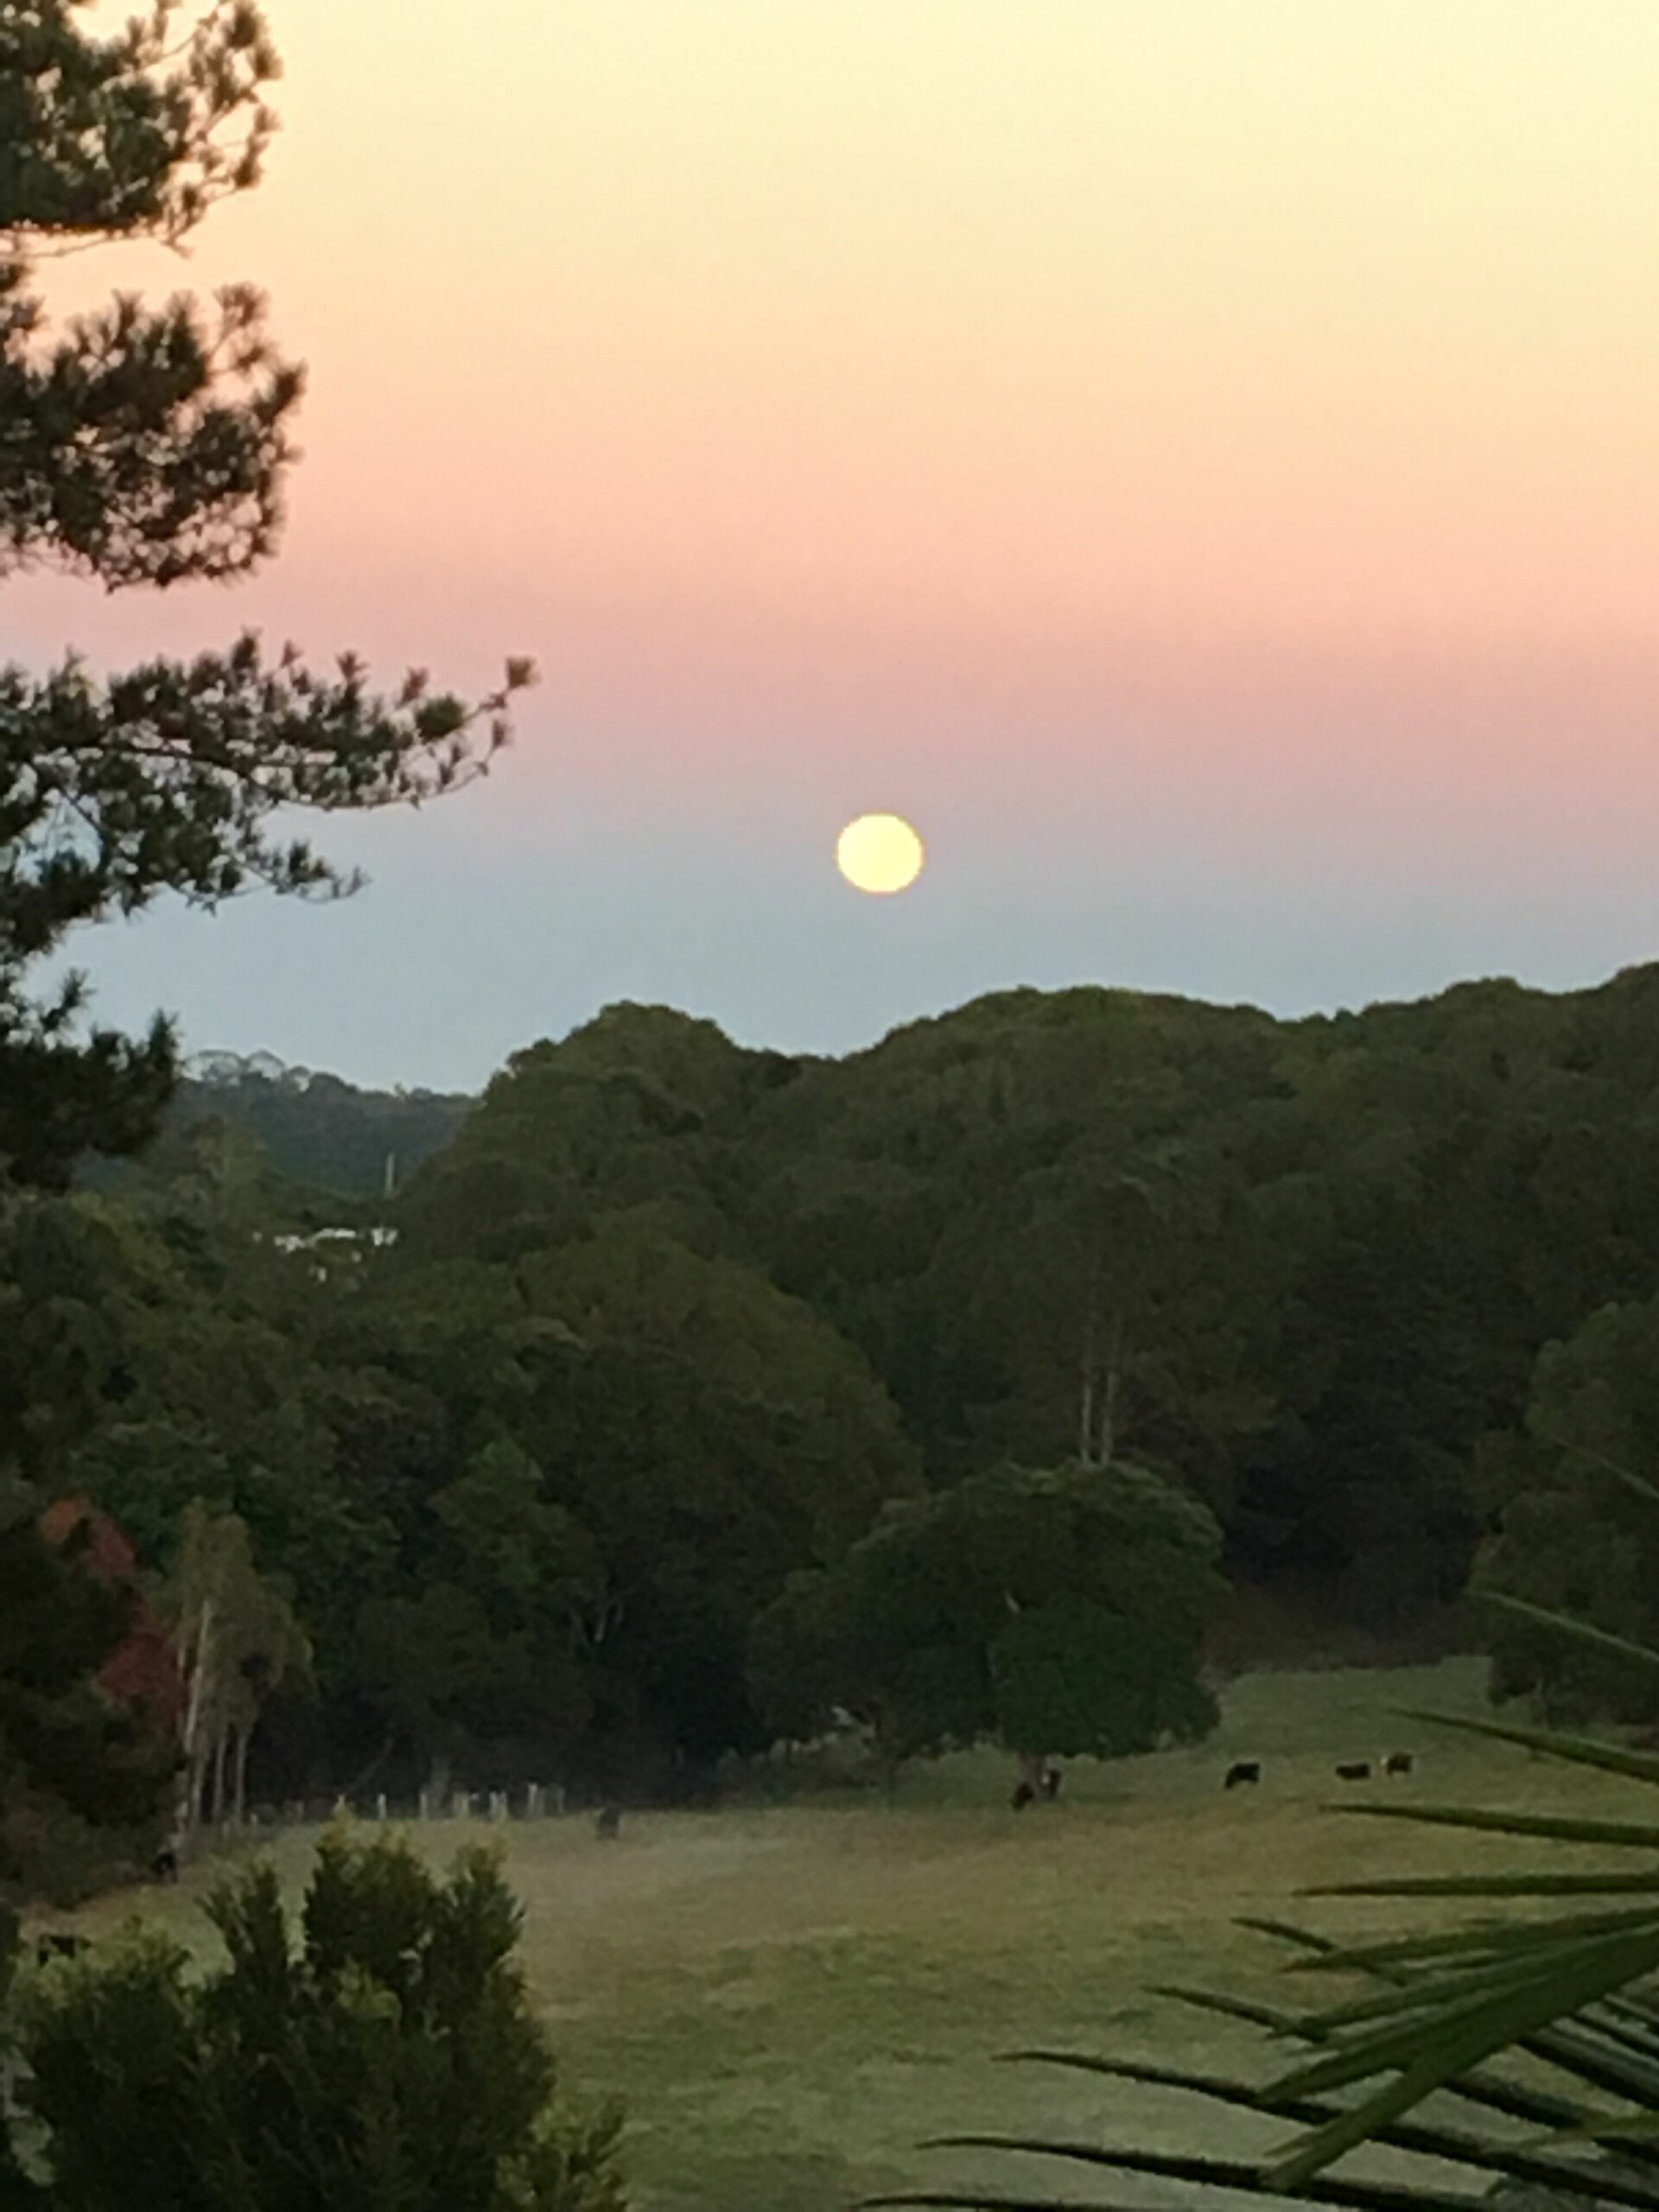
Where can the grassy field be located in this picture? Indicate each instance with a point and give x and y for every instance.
(788, 1998)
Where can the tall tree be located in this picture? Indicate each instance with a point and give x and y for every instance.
(237, 1637)
(148, 447)
(1575, 1519)
(1063, 1612)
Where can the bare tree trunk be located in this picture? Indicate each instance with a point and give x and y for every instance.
(243, 1737)
(221, 1748)
(1091, 1365)
(201, 1646)
(1086, 1410)
(1108, 1443)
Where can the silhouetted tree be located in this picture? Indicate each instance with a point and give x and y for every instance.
(148, 446)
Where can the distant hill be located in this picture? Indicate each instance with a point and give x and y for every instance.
(318, 1129)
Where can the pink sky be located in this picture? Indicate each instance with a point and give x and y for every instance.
(1200, 460)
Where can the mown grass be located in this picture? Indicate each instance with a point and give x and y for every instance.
(788, 1998)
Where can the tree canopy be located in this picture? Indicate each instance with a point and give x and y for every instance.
(1064, 1613)
(533, 1443)
(148, 446)
(687, 1316)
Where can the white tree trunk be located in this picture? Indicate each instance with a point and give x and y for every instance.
(1108, 1443)
(221, 1758)
(200, 1651)
(242, 1738)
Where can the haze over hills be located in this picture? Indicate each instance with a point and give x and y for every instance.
(317, 1129)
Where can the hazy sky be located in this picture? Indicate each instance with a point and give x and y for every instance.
(1197, 458)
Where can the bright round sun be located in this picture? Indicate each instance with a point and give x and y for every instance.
(880, 853)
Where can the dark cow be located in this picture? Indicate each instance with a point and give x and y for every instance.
(1397, 1763)
(49, 1947)
(1355, 1770)
(1242, 1774)
(609, 1823)
(164, 1866)
(1024, 1795)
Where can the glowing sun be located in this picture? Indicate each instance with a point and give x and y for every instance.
(880, 853)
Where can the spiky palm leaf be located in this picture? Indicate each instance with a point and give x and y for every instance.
(1441, 2011)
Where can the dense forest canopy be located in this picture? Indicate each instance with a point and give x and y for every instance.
(314, 1129)
(660, 1323)
(143, 447)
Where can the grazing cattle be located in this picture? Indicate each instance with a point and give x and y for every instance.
(1024, 1795)
(1397, 1763)
(1355, 1770)
(609, 1823)
(164, 1866)
(1242, 1774)
(1052, 1780)
(60, 1947)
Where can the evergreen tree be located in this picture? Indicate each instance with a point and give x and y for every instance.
(148, 446)
(388, 2057)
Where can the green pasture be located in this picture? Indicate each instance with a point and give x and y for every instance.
(788, 1997)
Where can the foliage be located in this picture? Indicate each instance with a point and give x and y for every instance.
(390, 2058)
(669, 1436)
(325, 1139)
(687, 1316)
(237, 1640)
(490, 1651)
(1307, 1267)
(148, 446)
(1573, 1531)
(71, 1757)
(1063, 1612)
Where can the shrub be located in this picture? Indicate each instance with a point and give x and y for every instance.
(386, 2062)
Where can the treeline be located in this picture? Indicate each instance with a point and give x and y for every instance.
(317, 1132)
(668, 1322)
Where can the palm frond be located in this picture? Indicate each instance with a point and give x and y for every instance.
(1240, 2174)
(1571, 1751)
(1635, 1835)
(1446, 2006)
(1565, 2050)
(1638, 1483)
(1600, 1640)
(955, 2200)
(1532, 1884)
(1449, 2146)
(1475, 1939)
